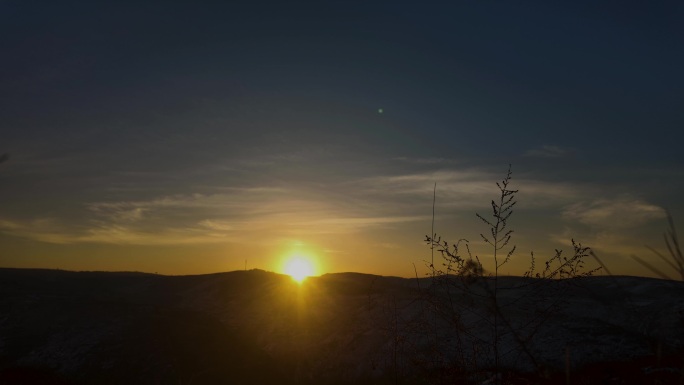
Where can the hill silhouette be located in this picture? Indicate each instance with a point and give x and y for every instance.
(257, 327)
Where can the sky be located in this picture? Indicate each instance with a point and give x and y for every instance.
(199, 137)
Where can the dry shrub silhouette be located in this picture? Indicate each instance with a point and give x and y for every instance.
(675, 260)
(477, 323)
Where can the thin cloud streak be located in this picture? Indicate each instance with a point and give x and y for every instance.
(548, 151)
(466, 189)
(618, 226)
(199, 218)
(620, 213)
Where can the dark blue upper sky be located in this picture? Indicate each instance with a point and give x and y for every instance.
(126, 105)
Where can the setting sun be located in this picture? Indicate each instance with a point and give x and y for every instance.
(298, 268)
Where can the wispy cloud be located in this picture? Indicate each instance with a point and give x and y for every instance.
(425, 161)
(42, 229)
(217, 225)
(548, 151)
(234, 215)
(620, 226)
(135, 236)
(59, 232)
(623, 212)
(356, 224)
(468, 189)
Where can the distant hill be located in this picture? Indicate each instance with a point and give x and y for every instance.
(256, 327)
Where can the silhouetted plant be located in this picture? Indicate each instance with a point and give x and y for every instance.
(676, 259)
(462, 281)
(676, 263)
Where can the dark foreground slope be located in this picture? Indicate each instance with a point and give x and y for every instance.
(254, 327)
(247, 327)
(119, 328)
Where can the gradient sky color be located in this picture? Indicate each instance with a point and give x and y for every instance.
(186, 138)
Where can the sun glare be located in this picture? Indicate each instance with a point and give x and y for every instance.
(298, 268)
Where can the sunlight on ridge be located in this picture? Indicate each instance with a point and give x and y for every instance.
(299, 267)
